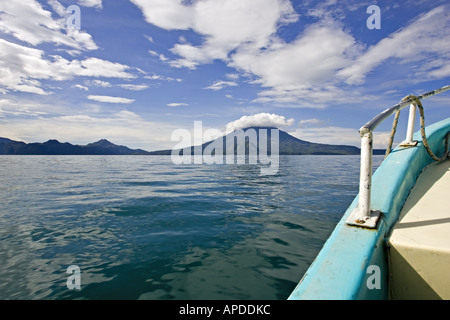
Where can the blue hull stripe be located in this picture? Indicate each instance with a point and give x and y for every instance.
(340, 271)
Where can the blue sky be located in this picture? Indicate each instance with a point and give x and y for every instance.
(137, 70)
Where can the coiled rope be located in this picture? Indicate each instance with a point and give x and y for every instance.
(391, 137)
(415, 100)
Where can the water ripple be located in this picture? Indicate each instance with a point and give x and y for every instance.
(140, 227)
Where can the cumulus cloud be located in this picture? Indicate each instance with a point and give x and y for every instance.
(323, 64)
(286, 73)
(22, 68)
(27, 21)
(166, 14)
(244, 35)
(324, 47)
(109, 99)
(260, 120)
(225, 25)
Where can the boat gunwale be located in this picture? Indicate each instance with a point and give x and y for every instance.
(340, 269)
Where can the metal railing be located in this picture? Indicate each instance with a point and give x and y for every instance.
(362, 215)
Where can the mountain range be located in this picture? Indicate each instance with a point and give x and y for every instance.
(54, 147)
(288, 145)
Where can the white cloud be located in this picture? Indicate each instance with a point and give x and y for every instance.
(161, 57)
(177, 104)
(162, 78)
(289, 65)
(442, 71)
(286, 68)
(98, 83)
(425, 37)
(243, 34)
(167, 14)
(27, 21)
(134, 87)
(17, 63)
(232, 76)
(260, 120)
(57, 7)
(317, 97)
(94, 67)
(324, 64)
(91, 3)
(10, 107)
(109, 99)
(225, 25)
(154, 77)
(22, 68)
(149, 38)
(219, 85)
(79, 86)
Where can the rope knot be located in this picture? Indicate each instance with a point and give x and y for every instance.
(416, 101)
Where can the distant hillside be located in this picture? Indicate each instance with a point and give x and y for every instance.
(288, 145)
(54, 147)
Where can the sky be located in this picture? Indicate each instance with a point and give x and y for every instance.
(134, 71)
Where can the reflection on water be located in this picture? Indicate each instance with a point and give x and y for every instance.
(140, 227)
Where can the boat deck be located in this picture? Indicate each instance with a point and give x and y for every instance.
(419, 246)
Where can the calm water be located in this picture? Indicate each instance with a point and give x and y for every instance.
(140, 227)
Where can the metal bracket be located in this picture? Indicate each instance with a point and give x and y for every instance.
(408, 144)
(366, 222)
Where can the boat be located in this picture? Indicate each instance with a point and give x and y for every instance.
(393, 242)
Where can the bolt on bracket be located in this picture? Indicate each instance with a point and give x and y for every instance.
(370, 222)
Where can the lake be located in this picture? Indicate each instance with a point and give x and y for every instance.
(141, 227)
